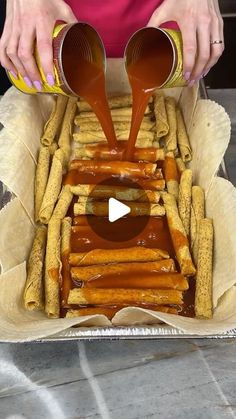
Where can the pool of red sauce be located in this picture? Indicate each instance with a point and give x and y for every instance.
(83, 238)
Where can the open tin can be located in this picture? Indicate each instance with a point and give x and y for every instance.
(70, 43)
(165, 44)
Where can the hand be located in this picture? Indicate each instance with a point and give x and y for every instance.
(200, 23)
(31, 22)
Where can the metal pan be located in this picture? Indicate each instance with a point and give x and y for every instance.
(161, 331)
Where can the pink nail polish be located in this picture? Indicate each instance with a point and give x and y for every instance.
(50, 79)
(187, 75)
(38, 85)
(191, 83)
(28, 81)
(13, 74)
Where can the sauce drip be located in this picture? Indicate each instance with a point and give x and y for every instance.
(87, 79)
(150, 70)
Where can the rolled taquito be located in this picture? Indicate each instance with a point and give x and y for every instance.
(136, 281)
(52, 269)
(162, 126)
(197, 213)
(171, 137)
(107, 296)
(52, 126)
(41, 179)
(171, 175)
(203, 294)
(178, 235)
(121, 193)
(184, 200)
(132, 254)
(53, 187)
(64, 141)
(122, 168)
(34, 289)
(182, 138)
(101, 209)
(86, 273)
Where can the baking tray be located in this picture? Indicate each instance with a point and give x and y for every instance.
(128, 333)
(134, 332)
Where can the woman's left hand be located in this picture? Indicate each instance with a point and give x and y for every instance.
(201, 26)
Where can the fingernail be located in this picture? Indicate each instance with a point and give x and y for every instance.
(38, 85)
(191, 83)
(187, 75)
(28, 81)
(50, 79)
(13, 74)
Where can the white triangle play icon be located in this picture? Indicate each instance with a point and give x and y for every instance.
(116, 210)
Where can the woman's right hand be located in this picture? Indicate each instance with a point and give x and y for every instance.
(30, 23)
(202, 31)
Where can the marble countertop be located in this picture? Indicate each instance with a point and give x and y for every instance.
(170, 378)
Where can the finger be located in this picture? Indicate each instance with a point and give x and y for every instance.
(217, 34)
(220, 20)
(44, 46)
(69, 16)
(189, 47)
(203, 51)
(221, 24)
(12, 19)
(4, 59)
(158, 17)
(12, 53)
(26, 55)
(6, 62)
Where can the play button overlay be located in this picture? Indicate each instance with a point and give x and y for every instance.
(116, 210)
(118, 225)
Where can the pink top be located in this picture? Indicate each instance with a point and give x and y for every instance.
(116, 20)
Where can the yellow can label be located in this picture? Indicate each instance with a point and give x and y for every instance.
(176, 79)
(46, 88)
